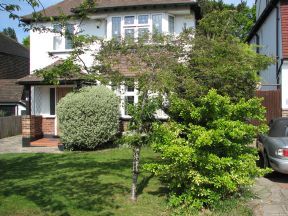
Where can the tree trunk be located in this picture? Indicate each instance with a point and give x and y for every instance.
(135, 172)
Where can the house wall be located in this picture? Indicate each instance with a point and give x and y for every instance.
(268, 46)
(99, 26)
(260, 7)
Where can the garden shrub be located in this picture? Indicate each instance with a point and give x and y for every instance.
(206, 153)
(88, 118)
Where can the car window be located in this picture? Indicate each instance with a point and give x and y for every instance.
(279, 128)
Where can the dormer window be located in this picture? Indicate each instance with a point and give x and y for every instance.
(62, 40)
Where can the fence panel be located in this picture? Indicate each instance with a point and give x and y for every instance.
(272, 102)
(10, 126)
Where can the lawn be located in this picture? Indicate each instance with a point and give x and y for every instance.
(77, 184)
(95, 183)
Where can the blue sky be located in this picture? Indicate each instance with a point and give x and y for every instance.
(26, 9)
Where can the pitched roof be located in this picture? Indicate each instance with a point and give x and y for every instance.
(12, 47)
(10, 92)
(67, 7)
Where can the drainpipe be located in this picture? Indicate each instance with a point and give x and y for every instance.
(277, 46)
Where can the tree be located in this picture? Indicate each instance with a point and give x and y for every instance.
(26, 42)
(10, 32)
(206, 157)
(237, 19)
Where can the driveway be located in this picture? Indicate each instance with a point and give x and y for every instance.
(14, 145)
(272, 193)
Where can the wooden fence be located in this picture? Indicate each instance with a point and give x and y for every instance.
(10, 126)
(272, 102)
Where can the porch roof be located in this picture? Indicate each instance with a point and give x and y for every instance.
(33, 79)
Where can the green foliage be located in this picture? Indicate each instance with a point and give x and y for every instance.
(2, 113)
(227, 65)
(226, 19)
(88, 118)
(26, 42)
(206, 155)
(10, 32)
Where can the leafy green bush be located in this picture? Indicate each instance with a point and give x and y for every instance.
(206, 153)
(88, 118)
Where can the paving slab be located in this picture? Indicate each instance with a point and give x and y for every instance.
(271, 195)
(14, 145)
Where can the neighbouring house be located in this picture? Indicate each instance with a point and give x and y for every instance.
(14, 64)
(109, 19)
(270, 33)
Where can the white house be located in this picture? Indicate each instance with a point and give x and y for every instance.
(110, 18)
(271, 34)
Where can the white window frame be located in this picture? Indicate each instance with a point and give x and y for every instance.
(136, 25)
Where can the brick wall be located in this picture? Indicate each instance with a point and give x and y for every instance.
(31, 127)
(48, 126)
(284, 26)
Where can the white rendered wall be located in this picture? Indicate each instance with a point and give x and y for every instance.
(284, 88)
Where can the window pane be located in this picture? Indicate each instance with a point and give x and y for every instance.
(129, 33)
(143, 19)
(57, 40)
(129, 100)
(116, 27)
(143, 33)
(129, 20)
(157, 23)
(57, 28)
(69, 31)
(171, 24)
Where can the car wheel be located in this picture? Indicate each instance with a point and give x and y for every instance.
(265, 160)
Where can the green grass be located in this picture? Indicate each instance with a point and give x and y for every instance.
(96, 183)
(77, 184)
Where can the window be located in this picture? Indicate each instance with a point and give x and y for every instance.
(69, 31)
(52, 101)
(129, 100)
(116, 27)
(157, 23)
(129, 34)
(129, 20)
(143, 19)
(143, 33)
(58, 38)
(171, 24)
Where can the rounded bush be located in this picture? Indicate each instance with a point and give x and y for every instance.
(88, 118)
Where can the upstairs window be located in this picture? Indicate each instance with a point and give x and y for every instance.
(57, 39)
(69, 31)
(62, 39)
(129, 20)
(157, 23)
(116, 27)
(171, 24)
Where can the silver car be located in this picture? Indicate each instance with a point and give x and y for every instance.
(273, 147)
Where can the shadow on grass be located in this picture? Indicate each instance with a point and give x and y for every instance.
(59, 183)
